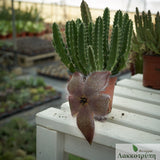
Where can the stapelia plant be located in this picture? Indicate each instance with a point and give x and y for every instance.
(89, 48)
(87, 100)
(147, 38)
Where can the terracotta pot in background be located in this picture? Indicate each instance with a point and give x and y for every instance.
(23, 34)
(110, 90)
(151, 71)
(3, 37)
(9, 35)
(39, 33)
(30, 34)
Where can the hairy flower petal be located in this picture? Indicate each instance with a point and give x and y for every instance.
(75, 105)
(85, 123)
(99, 104)
(96, 82)
(76, 84)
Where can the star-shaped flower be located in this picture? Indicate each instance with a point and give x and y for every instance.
(87, 100)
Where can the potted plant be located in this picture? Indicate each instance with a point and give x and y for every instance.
(20, 28)
(147, 38)
(5, 29)
(39, 29)
(28, 28)
(92, 56)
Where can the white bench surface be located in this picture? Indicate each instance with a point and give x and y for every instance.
(135, 117)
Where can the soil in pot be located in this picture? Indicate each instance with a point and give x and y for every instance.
(151, 71)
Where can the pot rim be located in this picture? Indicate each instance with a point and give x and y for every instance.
(115, 75)
(157, 55)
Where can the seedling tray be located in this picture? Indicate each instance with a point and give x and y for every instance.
(31, 46)
(56, 70)
(26, 107)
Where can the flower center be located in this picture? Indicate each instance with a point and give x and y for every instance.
(83, 100)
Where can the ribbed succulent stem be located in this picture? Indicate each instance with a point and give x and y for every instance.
(114, 48)
(147, 33)
(60, 48)
(85, 13)
(100, 56)
(90, 32)
(82, 47)
(88, 46)
(91, 59)
(106, 25)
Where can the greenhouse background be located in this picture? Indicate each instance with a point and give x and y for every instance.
(32, 75)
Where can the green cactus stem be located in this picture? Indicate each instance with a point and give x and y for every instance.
(106, 25)
(148, 34)
(85, 13)
(91, 59)
(60, 48)
(88, 46)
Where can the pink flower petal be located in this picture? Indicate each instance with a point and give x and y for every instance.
(96, 82)
(76, 84)
(99, 104)
(75, 104)
(85, 123)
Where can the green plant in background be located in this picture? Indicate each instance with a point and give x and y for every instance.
(39, 27)
(5, 44)
(137, 59)
(88, 45)
(28, 20)
(17, 141)
(20, 25)
(5, 77)
(16, 93)
(36, 82)
(5, 27)
(147, 38)
(7, 59)
(5, 13)
(29, 14)
(32, 27)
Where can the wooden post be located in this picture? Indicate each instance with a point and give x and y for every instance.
(13, 27)
(50, 144)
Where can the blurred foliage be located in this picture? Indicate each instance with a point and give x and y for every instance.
(29, 14)
(5, 27)
(17, 141)
(137, 60)
(16, 93)
(7, 59)
(28, 20)
(21, 27)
